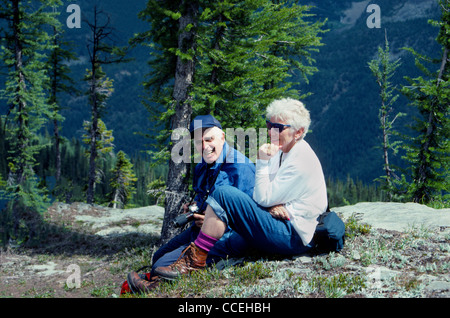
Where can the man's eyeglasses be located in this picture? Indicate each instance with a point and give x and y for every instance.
(278, 126)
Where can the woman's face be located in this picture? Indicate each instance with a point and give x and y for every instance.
(286, 138)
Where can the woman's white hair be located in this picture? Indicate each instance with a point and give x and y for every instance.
(290, 111)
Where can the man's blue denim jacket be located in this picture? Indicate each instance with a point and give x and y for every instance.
(234, 169)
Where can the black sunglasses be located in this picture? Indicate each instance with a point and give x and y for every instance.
(278, 126)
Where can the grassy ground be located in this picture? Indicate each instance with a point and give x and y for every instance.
(71, 262)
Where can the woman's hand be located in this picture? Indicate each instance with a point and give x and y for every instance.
(267, 151)
(279, 212)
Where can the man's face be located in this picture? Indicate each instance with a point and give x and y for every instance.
(211, 145)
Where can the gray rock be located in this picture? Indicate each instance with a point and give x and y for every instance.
(439, 286)
(144, 220)
(397, 216)
(378, 274)
(47, 269)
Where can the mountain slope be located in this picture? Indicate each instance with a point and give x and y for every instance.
(345, 102)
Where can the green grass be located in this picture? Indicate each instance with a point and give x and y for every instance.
(338, 285)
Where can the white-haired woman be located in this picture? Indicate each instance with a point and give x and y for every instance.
(289, 195)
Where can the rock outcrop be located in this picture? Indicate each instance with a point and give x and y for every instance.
(105, 221)
(383, 215)
(397, 216)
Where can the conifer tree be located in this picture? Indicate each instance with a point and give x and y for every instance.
(228, 58)
(122, 181)
(3, 149)
(429, 149)
(383, 69)
(246, 54)
(24, 45)
(103, 147)
(101, 52)
(173, 31)
(59, 82)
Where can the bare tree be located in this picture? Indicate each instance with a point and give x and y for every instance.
(101, 52)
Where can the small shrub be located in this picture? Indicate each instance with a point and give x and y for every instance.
(354, 228)
(330, 261)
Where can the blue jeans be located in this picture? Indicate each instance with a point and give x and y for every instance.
(254, 223)
(230, 245)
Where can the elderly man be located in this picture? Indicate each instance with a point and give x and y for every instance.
(221, 165)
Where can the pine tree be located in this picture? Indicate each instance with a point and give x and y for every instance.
(228, 58)
(383, 70)
(24, 45)
(103, 147)
(173, 30)
(428, 151)
(59, 82)
(101, 52)
(122, 181)
(3, 149)
(247, 52)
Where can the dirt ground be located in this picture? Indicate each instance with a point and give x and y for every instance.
(68, 260)
(39, 276)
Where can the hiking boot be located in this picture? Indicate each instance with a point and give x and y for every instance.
(140, 285)
(191, 259)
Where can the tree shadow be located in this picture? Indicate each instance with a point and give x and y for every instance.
(30, 232)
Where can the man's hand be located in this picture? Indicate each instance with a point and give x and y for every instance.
(279, 212)
(186, 206)
(199, 218)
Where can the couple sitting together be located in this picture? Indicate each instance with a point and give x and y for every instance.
(273, 206)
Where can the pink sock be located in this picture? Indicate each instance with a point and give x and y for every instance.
(205, 242)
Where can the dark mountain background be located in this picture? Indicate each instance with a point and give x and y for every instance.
(344, 102)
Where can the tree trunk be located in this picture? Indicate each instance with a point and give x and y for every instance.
(178, 176)
(94, 123)
(93, 142)
(387, 169)
(93, 151)
(116, 199)
(57, 151)
(22, 139)
(54, 100)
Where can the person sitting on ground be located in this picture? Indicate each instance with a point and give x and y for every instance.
(289, 195)
(237, 172)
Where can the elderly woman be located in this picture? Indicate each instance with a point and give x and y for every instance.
(289, 195)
